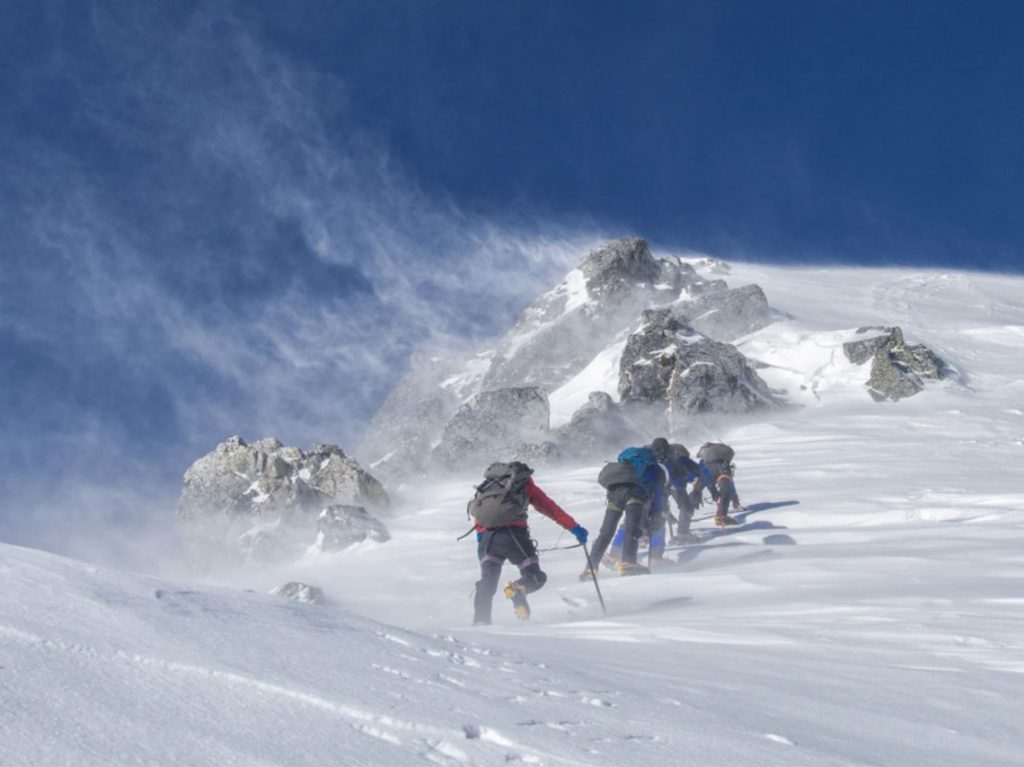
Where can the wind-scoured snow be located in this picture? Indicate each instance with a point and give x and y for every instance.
(868, 611)
(602, 374)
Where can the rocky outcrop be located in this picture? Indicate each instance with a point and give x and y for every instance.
(562, 331)
(725, 314)
(420, 427)
(666, 361)
(260, 502)
(594, 427)
(538, 455)
(897, 370)
(615, 269)
(494, 424)
(341, 526)
(399, 438)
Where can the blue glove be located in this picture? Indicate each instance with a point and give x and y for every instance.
(580, 532)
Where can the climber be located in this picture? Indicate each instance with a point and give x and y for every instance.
(498, 511)
(635, 485)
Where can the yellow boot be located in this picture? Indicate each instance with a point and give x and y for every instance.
(517, 593)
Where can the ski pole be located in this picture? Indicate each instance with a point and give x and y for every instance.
(593, 574)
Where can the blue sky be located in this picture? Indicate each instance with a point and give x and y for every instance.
(223, 217)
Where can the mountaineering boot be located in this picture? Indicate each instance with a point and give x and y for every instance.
(725, 520)
(517, 593)
(587, 574)
(632, 568)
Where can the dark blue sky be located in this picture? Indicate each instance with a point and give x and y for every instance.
(869, 132)
(222, 217)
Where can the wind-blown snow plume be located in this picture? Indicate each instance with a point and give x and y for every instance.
(219, 248)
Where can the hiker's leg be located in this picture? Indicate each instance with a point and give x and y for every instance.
(635, 510)
(612, 515)
(724, 484)
(656, 531)
(615, 552)
(490, 573)
(524, 556)
(685, 512)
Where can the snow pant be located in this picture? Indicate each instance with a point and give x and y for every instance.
(628, 500)
(653, 528)
(685, 507)
(493, 548)
(656, 533)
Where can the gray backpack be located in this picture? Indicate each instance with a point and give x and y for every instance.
(616, 473)
(501, 498)
(716, 451)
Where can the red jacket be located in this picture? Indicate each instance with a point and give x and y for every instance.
(540, 501)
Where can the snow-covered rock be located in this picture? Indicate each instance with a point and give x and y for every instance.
(727, 314)
(399, 438)
(594, 426)
(897, 370)
(668, 362)
(553, 340)
(493, 424)
(538, 454)
(341, 526)
(260, 502)
(300, 592)
(561, 332)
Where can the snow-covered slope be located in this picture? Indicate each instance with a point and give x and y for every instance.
(867, 612)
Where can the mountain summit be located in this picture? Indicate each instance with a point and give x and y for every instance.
(569, 344)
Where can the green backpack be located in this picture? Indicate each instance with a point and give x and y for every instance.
(501, 499)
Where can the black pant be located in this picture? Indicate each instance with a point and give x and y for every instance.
(493, 548)
(685, 510)
(630, 500)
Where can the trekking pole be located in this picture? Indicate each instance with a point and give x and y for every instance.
(593, 574)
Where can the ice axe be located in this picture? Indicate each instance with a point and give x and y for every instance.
(593, 575)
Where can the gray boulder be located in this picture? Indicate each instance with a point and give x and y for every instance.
(615, 269)
(666, 361)
(260, 502)
(538, 455)
(897, 370)
(493, 424)
(594, 427)
(561, 332)
(340, 526)
(726, 314)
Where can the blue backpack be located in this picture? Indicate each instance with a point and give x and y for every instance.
(640, 458)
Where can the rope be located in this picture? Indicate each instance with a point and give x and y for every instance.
(561, 548)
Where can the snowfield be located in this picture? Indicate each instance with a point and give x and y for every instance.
(868, 611)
